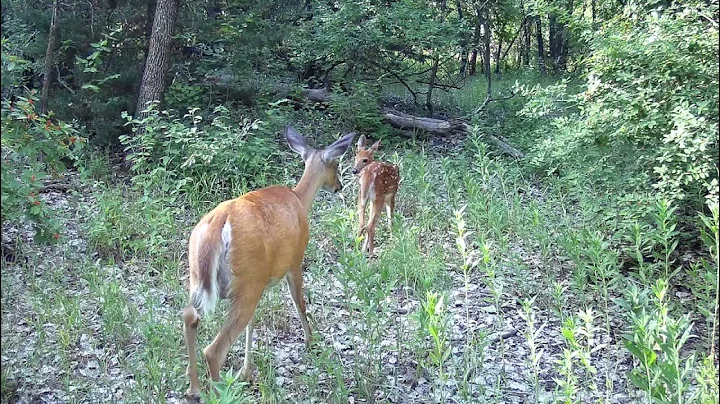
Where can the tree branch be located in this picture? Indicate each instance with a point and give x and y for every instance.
(485, 103)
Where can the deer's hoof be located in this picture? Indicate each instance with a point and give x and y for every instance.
(193, 394)
(246, 374)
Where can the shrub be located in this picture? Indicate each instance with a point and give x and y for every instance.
(653, 85)
(33, 147)
(174, 153)
(645, 123)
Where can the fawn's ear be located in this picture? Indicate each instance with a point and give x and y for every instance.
(338, 148)
(297, 142)
(361, 142)
(375, 146)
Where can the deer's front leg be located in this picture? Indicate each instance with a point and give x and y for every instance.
(376, 208)
(361, 210)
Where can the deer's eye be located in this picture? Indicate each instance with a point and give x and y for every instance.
(364, 160)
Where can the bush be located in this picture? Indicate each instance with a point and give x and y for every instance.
(359, 110)
(180, 154)
(33, 147)
(653, 85)
(645, 124)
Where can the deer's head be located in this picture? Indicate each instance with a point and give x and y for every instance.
(364, 156)
(320, 163)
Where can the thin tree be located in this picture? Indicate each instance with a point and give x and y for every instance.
(553, 41)
(498, 53)
(526, 36)
(486, 51)
(49, 59)
(463, 42)
(434, 67)
(541, 47)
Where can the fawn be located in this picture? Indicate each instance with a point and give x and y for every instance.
(247, 244)
(379, 184)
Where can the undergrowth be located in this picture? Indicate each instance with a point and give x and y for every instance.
(481, 263)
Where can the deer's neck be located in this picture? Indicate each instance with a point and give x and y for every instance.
(307, 188)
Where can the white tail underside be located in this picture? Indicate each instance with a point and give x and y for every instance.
(202, 299)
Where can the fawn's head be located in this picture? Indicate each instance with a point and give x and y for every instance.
(322, 163)
(364, 156)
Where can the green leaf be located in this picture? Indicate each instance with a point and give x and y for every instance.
(638, 379)
(91, 87)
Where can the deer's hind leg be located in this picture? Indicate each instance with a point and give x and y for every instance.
(191, 320)
(390, 209)
(245, 297)
(374, 218)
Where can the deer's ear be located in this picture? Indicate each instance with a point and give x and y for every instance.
(296, 142)
(375, 146)
(361, 142)
(338, 148)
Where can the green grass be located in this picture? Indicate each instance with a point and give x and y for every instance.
(535, 306)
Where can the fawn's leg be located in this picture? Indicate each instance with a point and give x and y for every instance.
(374, 218)
(361, 209)
(390, 209)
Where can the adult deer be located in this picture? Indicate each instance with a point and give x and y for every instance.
(247, 244)
(379, 183)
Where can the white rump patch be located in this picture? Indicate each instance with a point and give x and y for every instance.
(226, 236)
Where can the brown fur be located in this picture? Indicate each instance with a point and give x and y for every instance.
(268, 236)
(379, 183)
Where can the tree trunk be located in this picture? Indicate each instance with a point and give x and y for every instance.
(562, 45)
(476, 46)
(152, 85)
(541, 47)
(431, 85)
(483, 18)
(463, 42)
(49, 59)
(434, 69)
(502, 56)
(593, 6)
(526, 41)
(486, 54)
(473, 61)
(565, 41)
(553, 41)
(498, 55)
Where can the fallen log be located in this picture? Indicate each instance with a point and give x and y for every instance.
(441, 127)
(504, 146)
(402, 120)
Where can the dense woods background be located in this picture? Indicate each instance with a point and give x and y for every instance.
(557, 234)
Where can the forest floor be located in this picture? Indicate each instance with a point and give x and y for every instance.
(87, 321)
